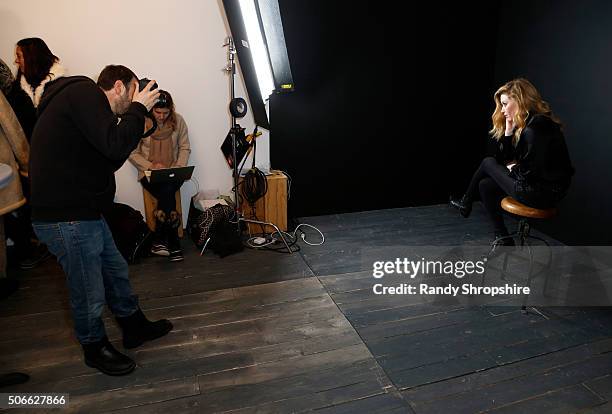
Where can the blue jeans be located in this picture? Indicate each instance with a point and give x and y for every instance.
(95, 270)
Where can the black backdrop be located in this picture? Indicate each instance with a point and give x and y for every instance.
(389, 109)
(564, 48)
(392, 108)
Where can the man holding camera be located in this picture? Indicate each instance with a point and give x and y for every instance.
(84, 133)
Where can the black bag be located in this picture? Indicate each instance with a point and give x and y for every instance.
(193, 217)
(130, 232)
(203, 223)
(214, 224)
(225, 239)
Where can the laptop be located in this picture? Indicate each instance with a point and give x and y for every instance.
(166, 175)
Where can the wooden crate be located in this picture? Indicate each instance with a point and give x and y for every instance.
(271, 208)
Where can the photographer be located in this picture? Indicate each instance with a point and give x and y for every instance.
(84, 133)
(167, 147)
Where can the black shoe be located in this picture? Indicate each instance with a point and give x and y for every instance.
(8, 287)
(13, 378)
(176, 256)
(104, 357)
(464, 205)
(137, 329)
(38, 255)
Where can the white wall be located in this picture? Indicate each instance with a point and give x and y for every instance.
(178, 43)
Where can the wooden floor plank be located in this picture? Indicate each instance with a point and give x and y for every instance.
(104, 401)
(273, 333)
(508, 392)
(566, 400)
(378, 404)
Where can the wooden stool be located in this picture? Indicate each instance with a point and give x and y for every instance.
(512, 206)
(150, 205)
(523, 235)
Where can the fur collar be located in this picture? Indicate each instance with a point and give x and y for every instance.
(56, 71)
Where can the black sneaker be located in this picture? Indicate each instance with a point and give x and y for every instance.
(176, 256)
(159, 250)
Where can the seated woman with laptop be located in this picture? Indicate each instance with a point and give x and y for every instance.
(167, 147)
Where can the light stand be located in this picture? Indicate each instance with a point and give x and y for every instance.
(234, 131)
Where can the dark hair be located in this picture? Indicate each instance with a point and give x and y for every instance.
(113, 73)
(38, 60)
(168, 104)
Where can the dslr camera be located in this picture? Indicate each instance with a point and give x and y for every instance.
(142, 83)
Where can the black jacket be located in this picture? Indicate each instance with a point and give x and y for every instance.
(77, 145)
(541, 154)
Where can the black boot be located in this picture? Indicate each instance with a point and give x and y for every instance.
(137, 329)
(174, 243)
(464, 205)
(103, 356)
(159, 246)
(13, 378)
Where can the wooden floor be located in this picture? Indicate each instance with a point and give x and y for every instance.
(264, 332)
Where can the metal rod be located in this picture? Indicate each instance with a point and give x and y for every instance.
(232, 72)
(269, 224)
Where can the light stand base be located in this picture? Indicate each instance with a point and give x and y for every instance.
(264, 223)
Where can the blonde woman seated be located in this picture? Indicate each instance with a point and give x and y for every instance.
(167, 147)
(527, 159)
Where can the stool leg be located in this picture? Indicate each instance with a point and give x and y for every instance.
(526, 296)
(549, 260)
(504, 267)
(548, 264)
(530, 277)
(523, 231)
(494, 243)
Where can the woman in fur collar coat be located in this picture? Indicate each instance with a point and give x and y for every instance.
(37, 66)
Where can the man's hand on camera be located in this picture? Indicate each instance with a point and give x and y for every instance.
(157, 166)
(147, 97)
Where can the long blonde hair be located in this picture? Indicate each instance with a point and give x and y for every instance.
(529, 101)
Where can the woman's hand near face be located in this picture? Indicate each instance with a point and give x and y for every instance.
(509, 126)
